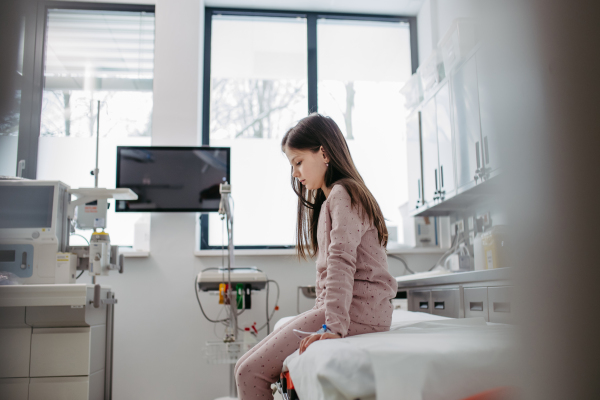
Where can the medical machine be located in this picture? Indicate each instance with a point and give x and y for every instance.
(172, 179)
(58, 335)
(36, 221)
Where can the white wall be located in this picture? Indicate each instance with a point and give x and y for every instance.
(159, 330)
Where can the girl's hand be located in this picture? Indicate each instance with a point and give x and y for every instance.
(304, 343)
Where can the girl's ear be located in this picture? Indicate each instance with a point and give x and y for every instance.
(325, 158)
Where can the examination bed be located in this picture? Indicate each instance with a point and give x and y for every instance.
(422, 357)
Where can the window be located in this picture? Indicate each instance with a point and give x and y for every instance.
(258, 89)
(265, 70)
(97, 63)
(359, 87)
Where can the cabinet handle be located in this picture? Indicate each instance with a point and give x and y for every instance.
(419, 188)
(20, 168)
(442, 175)
(423, 305)
(439, 305)
(96, 301)
(477, 155)
(502, 307)
(476, 305)
(436, 180)
(486, 153)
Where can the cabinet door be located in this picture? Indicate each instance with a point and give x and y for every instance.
(492, 98)
(445, 145)
(499, 300)
(419, 300)
(413, 156)
(430, 152)
(476, 302)
(465, 102)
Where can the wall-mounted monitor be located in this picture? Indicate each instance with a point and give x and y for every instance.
(172, 179)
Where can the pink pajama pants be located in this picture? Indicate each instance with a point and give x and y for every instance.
(256, 370)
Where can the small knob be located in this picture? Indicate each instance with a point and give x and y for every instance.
(35, 234)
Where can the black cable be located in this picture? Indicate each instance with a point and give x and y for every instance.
(269, 317)
(268, 323)
(267, 310)
(200, 304)
(403, 262)
(81, 273)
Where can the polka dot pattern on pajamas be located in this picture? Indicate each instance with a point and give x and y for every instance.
(354, 289)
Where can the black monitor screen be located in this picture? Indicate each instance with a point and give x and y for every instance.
(172, 178)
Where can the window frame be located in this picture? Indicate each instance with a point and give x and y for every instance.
(33, 71)
(311, 48)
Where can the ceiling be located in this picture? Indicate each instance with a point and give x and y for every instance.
(388, 7)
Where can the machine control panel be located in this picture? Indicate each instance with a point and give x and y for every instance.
(17, 259)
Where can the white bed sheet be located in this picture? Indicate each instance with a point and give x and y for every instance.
(422, 357)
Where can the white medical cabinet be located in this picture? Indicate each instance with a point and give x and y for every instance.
(56, 342)
(486, 294)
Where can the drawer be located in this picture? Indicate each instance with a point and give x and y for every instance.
(420, 301)
(66, 316)
(15, 345)
(446, 303)
(14, 388)
(68, 388)
(476, 302)
(500, 305)
(12, 317)
(67, 351)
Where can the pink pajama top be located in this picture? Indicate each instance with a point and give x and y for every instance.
(353, 282)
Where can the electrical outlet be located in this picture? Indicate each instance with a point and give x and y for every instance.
(487, 219)
(461, 226)
(483, 221)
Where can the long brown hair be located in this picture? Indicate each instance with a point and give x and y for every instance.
(310, 133)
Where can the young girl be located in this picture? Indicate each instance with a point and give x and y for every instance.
(340, 221)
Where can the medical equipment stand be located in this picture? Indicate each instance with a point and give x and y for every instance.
(225, 209)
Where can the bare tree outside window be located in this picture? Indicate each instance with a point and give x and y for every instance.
(9, 122)
(252, 108)
(73, 113)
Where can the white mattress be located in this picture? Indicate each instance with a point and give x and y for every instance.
(422, 357)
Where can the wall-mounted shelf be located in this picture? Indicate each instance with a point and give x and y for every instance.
(481, 193)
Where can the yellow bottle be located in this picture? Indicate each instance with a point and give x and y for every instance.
(494, 247)
(222, 289)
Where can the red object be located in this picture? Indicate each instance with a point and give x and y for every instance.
(502, 393)
(288, 379)
(276, 308)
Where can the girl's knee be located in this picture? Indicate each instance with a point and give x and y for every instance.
(237, 367)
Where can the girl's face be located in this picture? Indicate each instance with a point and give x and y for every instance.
(308, 167)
